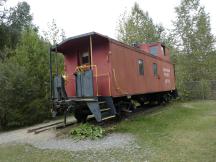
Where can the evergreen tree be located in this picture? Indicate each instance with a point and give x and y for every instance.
(138, 27)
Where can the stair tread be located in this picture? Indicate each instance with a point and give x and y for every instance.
(101, 102)
(108, 117)
(105, 109)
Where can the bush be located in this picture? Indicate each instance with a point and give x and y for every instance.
(85, 131)
(24, 83)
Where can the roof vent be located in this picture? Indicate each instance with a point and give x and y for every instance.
(135, 44)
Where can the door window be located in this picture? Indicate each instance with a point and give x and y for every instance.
(84, 58)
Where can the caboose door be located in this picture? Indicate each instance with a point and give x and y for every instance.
(84, 84)
(84, 79)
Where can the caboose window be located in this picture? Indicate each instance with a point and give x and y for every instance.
(141, 67)
(85, 58)
(155, 69)
(153, 50)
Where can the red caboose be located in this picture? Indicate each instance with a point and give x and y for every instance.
(100, 70)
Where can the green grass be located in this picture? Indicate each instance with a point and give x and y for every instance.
(26, 153)
(180, 132)
(177, 132)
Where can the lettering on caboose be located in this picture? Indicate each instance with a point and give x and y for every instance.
(166, 73)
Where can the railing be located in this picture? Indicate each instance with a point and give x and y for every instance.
(95, 75)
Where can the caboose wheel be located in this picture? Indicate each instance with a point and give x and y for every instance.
(80, 115)
(118, 117)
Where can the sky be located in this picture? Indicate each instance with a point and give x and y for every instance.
(102, 16)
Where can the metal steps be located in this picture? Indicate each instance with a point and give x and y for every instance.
(102, 109)
(106, 114)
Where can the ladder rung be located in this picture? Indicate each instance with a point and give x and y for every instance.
(108, 117)
(102, 110)
(101, 102)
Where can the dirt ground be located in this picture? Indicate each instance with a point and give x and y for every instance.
(49, 139)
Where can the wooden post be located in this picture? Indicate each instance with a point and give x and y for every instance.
(50, 68)
(56, 60)
(90, 42)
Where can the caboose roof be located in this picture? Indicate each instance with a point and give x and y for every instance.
(82, 40)
(66, 45)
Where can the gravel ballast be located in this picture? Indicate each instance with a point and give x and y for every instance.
(110, 141)
(48, 140)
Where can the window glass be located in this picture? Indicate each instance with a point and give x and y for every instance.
(153, 50)
(155, 69)
(85, 58)
(141, 67)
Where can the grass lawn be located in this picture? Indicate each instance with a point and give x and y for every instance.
(177, 132)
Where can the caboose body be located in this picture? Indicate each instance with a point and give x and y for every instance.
(99, 69)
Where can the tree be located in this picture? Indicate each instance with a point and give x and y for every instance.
(54, 34)
(192, 28)
(20, 16)
(24, 82)
(3, 27)
(24, 68)
(2, 13)
(12, 23)
(195, 44)
(13, 83)
(138, 27)
(18, 20)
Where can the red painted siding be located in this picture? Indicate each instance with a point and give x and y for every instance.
(101, 70)
(70, 66)
(126, 79)
(116, 70)
(100, 59)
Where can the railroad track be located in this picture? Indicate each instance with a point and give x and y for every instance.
(56, 125)
(145, 110)
(61, 125)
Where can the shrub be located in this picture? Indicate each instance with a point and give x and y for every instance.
(89, 131)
